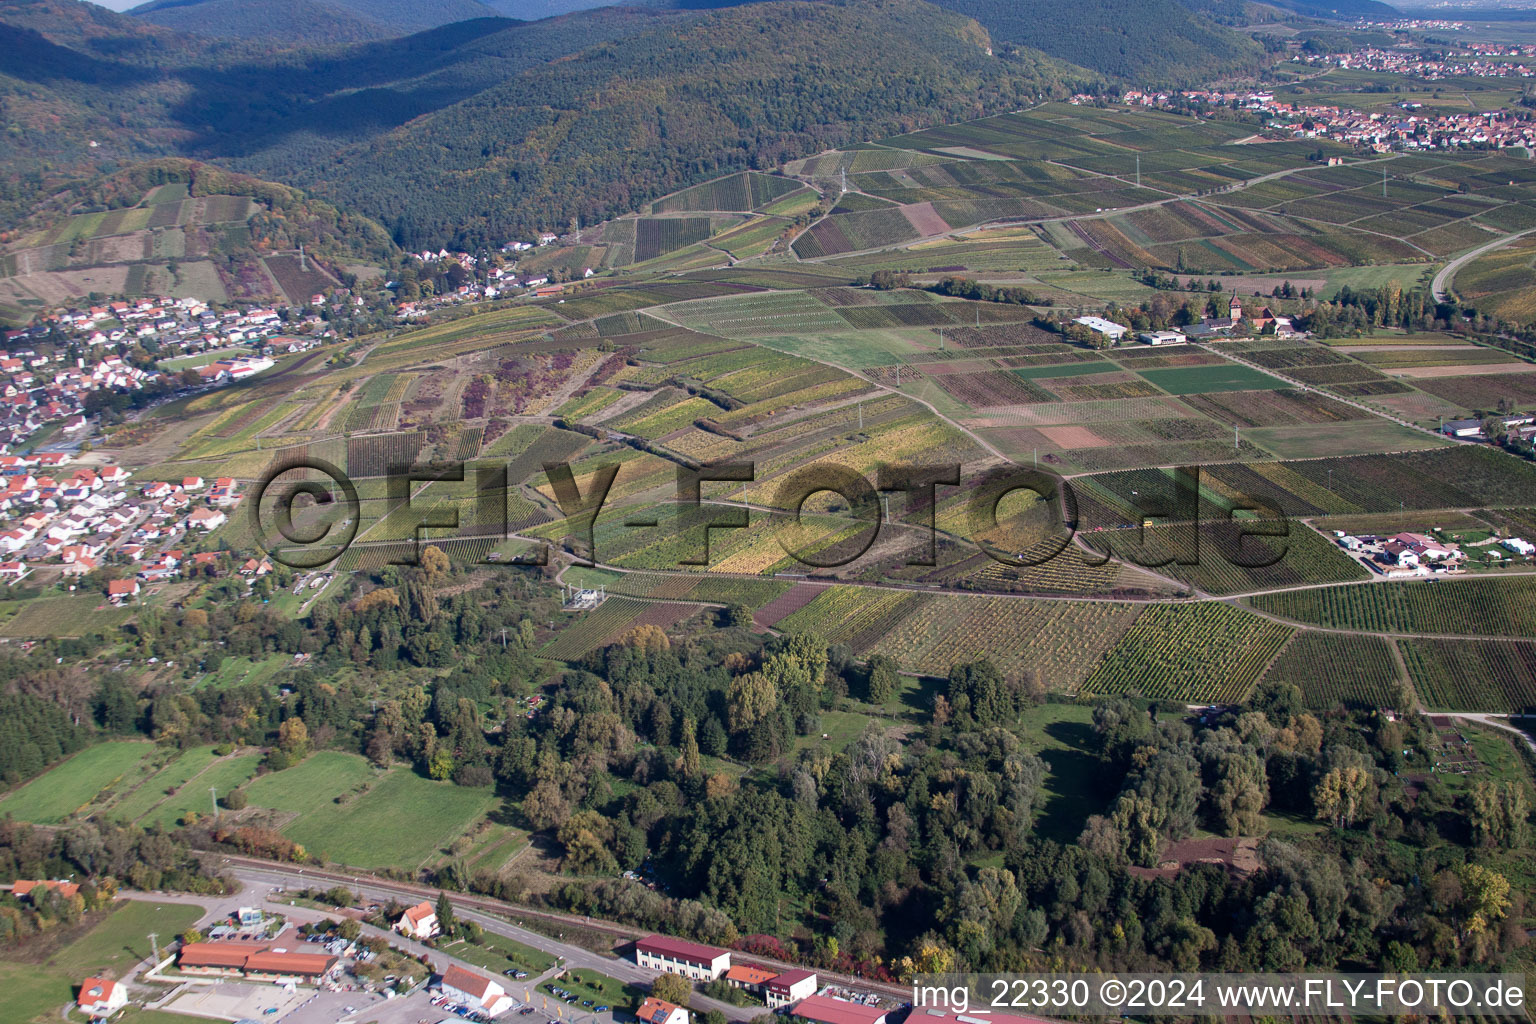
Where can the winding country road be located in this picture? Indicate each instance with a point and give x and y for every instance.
(1440, 287)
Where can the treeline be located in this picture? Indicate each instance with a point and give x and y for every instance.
(922, 848)
(100, 855)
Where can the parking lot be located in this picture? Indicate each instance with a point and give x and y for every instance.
(238, 1001)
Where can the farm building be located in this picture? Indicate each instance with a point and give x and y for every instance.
(826, 1010)
(1111, 330)
(255, 960)
(678, 956)
(1463, 428)
(1162, 338)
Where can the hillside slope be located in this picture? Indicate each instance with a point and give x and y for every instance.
(294, 21)
(1145, 41)
(308, 21)
(616, 125)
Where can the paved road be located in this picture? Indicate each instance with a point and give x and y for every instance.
(1441, 285)
(1501, 722)
(573, 956)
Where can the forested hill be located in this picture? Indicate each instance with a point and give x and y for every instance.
(293, 21)
(309, 21)
(1147, 41)
(695, 96)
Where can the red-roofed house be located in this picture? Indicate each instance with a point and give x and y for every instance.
(678, 956)
(418, 922)
(205, 518)
(749, 977)
(119, 591)
(789, 987)
(825, 1010)
(100, 997)
(659, 1011)
(474, 990)
(22, 888)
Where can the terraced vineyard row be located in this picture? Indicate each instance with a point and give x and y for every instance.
(1203, 652)
(1467, 607)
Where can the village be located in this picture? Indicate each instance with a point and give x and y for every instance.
(1377, 131)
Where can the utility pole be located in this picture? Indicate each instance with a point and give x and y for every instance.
(1235, 445)
(1383, 181)
(898, 375)
(503, 637)
(861, 417)
(1138, 170)
(154, 944)
(213, 798)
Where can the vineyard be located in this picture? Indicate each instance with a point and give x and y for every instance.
(1332, 669)
(583, 632)
(1059, 642)
(1473, 675)
(1207, 652)
(656, 236)
(377, 454)
(1465, 607)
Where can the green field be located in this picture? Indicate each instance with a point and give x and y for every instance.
(1200, 380)
(34, 992)
(72, 785)
(363, 828)
(498, 953)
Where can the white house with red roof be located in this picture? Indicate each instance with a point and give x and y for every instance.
(101, 997)
(418, 922)
(474, 990)
(119, 591)
(206, 519)
(659, 1011)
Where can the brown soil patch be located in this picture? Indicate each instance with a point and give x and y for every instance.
(1073, 437)
(924, 219)
(1239, 855)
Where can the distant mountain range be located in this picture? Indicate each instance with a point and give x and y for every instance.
(1156, 40)
(478, 127)
(310, 21)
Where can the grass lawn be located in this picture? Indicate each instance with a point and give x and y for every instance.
(1201, 380)
(499, 954)
(367, 830)
(174, 775)
(224, 775)
(122, 940)
(34, 992)
(1062, 735)
(72, 784)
